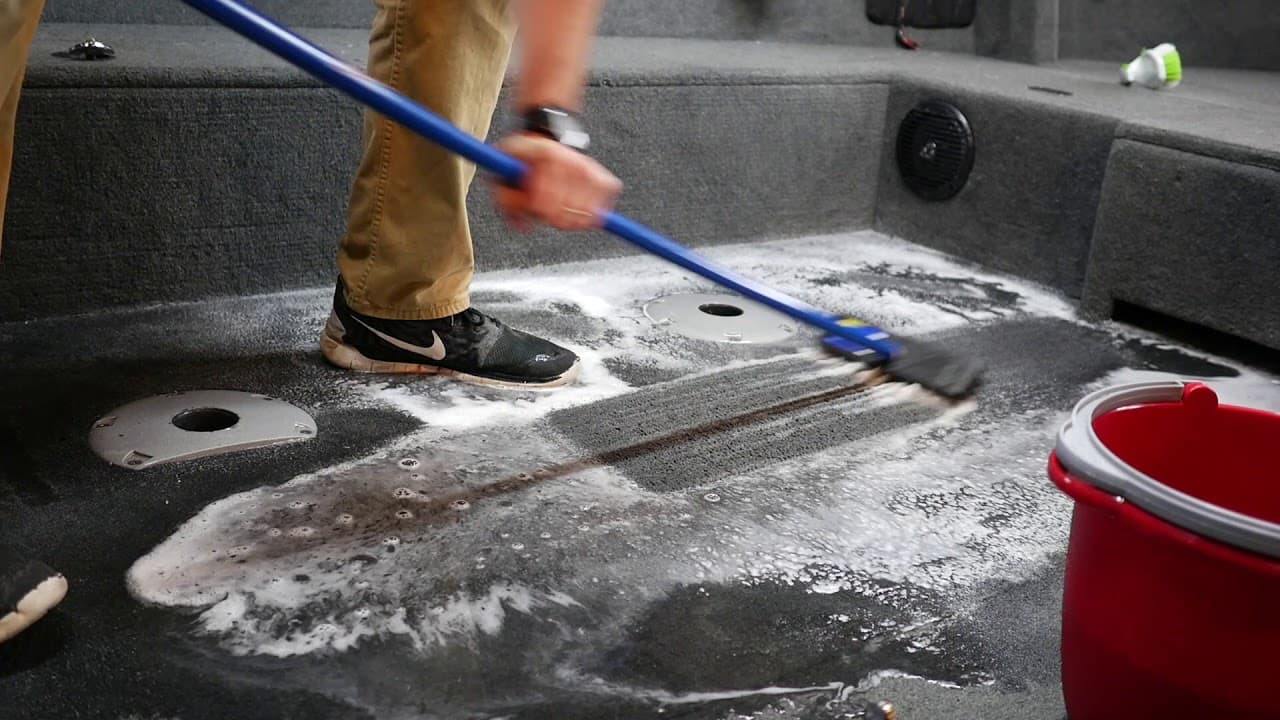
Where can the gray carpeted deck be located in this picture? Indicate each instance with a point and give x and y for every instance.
(695, 530)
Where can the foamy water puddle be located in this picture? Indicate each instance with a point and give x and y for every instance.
(486, 512)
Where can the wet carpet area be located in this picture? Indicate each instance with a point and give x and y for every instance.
(693, 530)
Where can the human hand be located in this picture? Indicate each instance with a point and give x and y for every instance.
(564, 188)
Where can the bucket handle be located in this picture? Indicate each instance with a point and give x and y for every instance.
(1086, 494)
(1084, 454)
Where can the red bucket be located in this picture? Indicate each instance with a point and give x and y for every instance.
(1172, 601)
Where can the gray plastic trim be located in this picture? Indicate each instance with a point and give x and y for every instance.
(142, 434)
(1084, 455)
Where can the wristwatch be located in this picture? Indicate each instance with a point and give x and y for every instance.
(563, 126)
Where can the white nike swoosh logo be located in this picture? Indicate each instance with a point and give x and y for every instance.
(435, 352)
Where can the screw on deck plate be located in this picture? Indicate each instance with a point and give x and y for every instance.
(89, 49)
(135, 458)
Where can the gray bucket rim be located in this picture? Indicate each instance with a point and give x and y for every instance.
(1084, 455)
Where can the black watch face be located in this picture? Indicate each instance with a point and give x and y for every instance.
(563, 128)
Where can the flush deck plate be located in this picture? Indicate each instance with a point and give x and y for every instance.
(720, 318)
(187, 425)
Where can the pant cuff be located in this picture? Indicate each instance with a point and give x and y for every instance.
(430, 312)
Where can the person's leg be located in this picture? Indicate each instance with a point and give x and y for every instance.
(407, 251)
(28, 588)
(402, 303)
(18, 20)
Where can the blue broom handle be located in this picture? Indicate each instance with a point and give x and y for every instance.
(865, 336)
(342, 76)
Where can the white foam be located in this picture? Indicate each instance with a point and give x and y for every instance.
(582, 290)
(457, 406)
(1249, 389)
(250, 623)
(875, 679)
(945, 505)
(698, 698)
(797, 263)
(856, 525)
(572, 677)
(613, 293)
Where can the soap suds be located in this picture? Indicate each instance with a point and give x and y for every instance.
(458, 406)
(1248, 389)
(485, 514)
(868, 517)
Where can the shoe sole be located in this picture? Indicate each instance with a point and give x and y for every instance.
(347, 357)
(33, 606)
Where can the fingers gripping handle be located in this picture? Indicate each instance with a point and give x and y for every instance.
(340, 75)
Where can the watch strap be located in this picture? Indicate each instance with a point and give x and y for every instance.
(564, 126)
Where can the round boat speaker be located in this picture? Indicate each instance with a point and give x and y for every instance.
(935, 150)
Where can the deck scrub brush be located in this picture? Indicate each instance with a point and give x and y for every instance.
(1157, 68)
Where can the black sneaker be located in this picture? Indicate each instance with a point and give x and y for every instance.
(470, 346)
(28, 589)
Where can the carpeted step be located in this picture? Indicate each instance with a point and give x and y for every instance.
(842, 22)
(195, 166)
(1160, 199)
(1188, 236)
(1238, 34)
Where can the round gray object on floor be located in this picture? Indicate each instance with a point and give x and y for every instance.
(189, 425)
(720, 318)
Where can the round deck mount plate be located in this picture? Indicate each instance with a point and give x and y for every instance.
(189, 425)
(720, 318)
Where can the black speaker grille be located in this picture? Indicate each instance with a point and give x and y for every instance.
(935, 150)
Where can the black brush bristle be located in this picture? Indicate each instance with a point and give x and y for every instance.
(935, 368)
